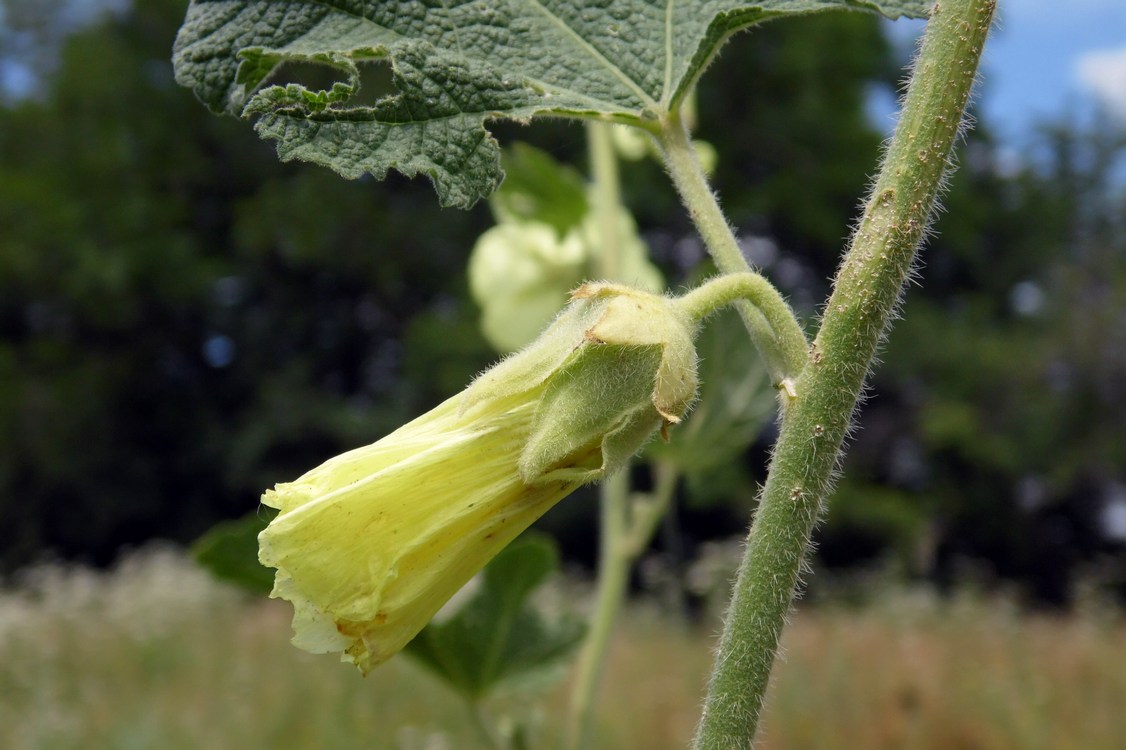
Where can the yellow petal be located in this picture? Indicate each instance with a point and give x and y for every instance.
(371, 544)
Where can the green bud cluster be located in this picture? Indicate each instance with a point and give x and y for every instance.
(521, 270)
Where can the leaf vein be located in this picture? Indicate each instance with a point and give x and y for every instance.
(666, 93)
(597, 102)
(593, 52)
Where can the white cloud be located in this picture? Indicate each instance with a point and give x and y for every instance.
(1103, 73)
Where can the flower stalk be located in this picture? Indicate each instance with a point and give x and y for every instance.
(614, 561)
(784, 357)
(752, 289)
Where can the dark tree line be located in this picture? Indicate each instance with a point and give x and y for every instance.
(185, 321)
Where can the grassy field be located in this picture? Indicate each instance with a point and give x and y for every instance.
(156, 655)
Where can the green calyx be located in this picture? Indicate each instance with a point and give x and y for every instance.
(633, 373)
(617, 365)
(614, 367)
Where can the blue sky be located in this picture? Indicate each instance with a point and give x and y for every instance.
(1048, 59)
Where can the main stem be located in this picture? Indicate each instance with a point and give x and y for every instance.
(867, 288)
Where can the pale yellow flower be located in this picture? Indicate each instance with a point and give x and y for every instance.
(369, 545)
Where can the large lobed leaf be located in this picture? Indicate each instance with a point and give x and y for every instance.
(456, 64)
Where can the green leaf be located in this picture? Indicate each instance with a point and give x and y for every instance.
(498, 635)
(456, 65)
(539, 188)
(229, 551)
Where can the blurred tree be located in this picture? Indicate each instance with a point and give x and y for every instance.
(786, 108)
(183, 320)
(32, 33)
(997, 420)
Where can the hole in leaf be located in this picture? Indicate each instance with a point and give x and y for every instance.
(375, 83)
(375, 79)
(313, 76)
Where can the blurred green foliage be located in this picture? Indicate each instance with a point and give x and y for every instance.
(736, 403)
(185, 321)
(229, 551)
(538, 188)
(998, 412)
(498, 635)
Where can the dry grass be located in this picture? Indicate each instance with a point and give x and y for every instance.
(158, 656)
(970, 676)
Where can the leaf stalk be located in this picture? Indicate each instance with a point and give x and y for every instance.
(784, 354)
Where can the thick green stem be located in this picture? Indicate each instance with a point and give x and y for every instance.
(865, 293)
(783, 362)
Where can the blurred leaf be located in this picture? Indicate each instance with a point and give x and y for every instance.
(546, 241)
(520, 274)
(538, 188)
(229, 551)
(498, 635)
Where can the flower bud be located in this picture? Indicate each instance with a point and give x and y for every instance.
(520, 272)
(369, 545)
(633, 373)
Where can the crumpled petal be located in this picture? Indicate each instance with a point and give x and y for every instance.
(371, 544)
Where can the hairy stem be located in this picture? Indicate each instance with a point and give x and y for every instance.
(607, 188)
(750, 287)
(783, 360)
(613, 575)
(866, 290)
